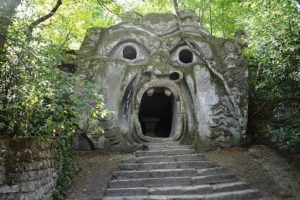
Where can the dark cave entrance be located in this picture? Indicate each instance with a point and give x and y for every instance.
(156, 113)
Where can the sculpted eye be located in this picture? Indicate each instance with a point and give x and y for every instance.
(129, 53)
(186, 56)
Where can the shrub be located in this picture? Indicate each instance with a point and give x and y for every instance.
(38, 100)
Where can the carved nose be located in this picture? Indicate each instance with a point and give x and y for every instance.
(176, 76)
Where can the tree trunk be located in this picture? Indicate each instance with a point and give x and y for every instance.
(7, 11)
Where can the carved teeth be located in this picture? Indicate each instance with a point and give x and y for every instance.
(168, 92)
(150, 92)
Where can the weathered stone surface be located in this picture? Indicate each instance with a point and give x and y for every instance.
(163, 88)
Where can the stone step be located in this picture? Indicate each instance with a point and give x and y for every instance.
(150, 182)
(211, 171)
(167, 165)
(173, 181)
(168, 147)
(234, 195)
(213, 179)
(231, 186)
(177, 190)
(162, 144)
(164, 152)
(171, 190)
(151, 159)
(154, 173)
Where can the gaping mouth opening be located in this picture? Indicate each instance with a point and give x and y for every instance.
(156, 112)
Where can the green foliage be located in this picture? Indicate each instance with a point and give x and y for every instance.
(41, 99)
(36, 98)
(273, 54)
(68, 26)
(220, 17)
(288, 139)
(153, 6)
(286, 130)
(65, 168)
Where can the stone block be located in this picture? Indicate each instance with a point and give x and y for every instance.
(46, 164)
(34, 165)
(28, 176)
(9, 189)
(2, 177)
(28, 186)
(13, 178)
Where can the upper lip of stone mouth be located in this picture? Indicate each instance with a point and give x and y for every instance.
(169, 87)
(165, 90)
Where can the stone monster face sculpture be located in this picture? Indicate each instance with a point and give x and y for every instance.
(162, 87)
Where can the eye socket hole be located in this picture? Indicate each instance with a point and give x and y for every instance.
(129, 53)
(186, 56)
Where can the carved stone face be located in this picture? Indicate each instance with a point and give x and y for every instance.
(162, 87)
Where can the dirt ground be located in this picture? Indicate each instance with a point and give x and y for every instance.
(93, 172)
(263, 168)
(260, 166)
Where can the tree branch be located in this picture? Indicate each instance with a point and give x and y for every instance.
(210, 19)
(43, 18)
(258, 110)
(107, 8)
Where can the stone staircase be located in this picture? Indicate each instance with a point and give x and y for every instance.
(172, 171)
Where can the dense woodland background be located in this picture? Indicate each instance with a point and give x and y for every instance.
(38, 36)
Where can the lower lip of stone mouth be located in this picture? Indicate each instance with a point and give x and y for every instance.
(156, 112)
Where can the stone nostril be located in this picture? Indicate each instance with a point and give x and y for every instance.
(174, 76)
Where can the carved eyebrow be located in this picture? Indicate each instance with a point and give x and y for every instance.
(109, 41)
(128, 41)
(181, 44)
(197, 41)
(170, 44)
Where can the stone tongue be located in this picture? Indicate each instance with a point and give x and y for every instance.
(168, 92)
